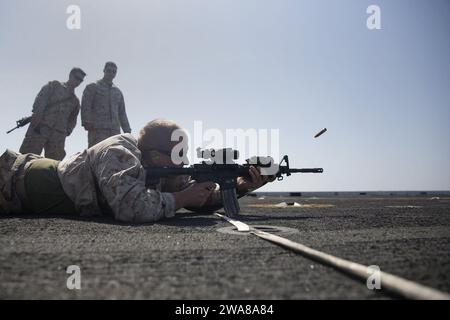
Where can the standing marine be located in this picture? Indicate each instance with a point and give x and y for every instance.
(103, 108)
(55, 111)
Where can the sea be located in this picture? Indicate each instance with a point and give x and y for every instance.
(354, 194)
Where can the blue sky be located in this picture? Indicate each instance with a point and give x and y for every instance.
(297, 66)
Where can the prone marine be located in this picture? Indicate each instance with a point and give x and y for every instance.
(109, 179)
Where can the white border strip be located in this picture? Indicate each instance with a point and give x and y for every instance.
(242, 227)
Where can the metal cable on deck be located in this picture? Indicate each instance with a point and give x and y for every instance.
(397, 285)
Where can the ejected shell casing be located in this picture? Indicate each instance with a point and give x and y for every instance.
(320, 133)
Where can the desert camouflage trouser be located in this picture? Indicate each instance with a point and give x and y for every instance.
(97, 135)
(12, 181)
(46, 138)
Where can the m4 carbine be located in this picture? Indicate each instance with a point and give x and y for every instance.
(21, 123)
(224, 171)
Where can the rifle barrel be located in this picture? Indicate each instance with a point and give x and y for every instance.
(306, 170)
(11, 130)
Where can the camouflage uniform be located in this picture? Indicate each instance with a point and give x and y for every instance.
(103, 107)
(12, 172)
(107, 178)
(58, 107)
